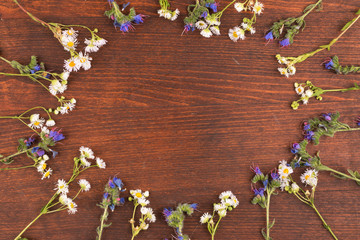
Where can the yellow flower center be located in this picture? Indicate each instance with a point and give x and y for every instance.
(257, 9)
(286, 171)
(139, 195)
(47, 174)
(72, 205)
(43, 166)
(70, 44)
(36, 123)
(307, 177)
(69, 32)
(82, 60)
(235, 35)
(72, 64)
(61, 186)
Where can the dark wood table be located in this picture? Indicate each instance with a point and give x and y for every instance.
(181, 116)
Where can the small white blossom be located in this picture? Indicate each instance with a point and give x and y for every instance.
(205, 218)
(85, 185)
(100, 163)
(50, 123)
(206, 33)
(72, 207)
(86, 152)
(62, 187)
(201, 25)
(309, 177)
(47, 174)
(36, 121)
(239, 6)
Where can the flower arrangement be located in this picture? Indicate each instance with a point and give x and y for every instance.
(111, 199)
(175, 218)
(263, 194)
(334, 64)
(60, 200)
(165, 11)
(238, 32)
(290, 62)
(124, 22)
(308, 90)
(204, 16)
(138, 198)
(291, 26)
(228, 202)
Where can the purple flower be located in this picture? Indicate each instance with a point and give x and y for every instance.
(28, 142)
(275, 175)
(194, 206)
(125, 6)
(327, 116)
(118, 182)
(189, 27)
(106, 195)
(112, 207)
(204, 14)
(306, 126)
(259, 192)
(167, 212)
(125, 27)
(256, 170)
(285, 42)
(307, 164)
(122, 200)
(309, 135)
(329, 64)
(213, 6)
(56, 135)
(295, 148)
(138, 19)
(269, 36)
(111, 184)
(265, 183)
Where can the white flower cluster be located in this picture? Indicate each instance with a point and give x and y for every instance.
(87, 154)
(42, 167)
(168, 14)
(287, 71)
(305, 94)
(310, 177)
(210, 26)
(37, 122)
(66, 107)
(284, 171)
(238, 32)
(147, 214)
(228, 202)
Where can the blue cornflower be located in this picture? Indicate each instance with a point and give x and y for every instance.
(327, 116)
(295, 148)
(138, 19)
(275, 175)
(329, 64)
(204, 14)
(269, 36)
(118, 182)
(285, 42)
(56, 135)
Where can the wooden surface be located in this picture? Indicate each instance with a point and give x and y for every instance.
(183, 117)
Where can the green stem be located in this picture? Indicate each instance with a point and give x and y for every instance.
(310, 10)
(32, 16)
(214, 230)
(268, 215)
(19, 236)
(102, 222)
(29, 166)
(13, 155)
(326, 168)
(134, 233)
(326, 226)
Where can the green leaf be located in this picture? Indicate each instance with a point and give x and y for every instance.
(347, 25)
(337, 176)
(263, 233)
(272, 224)
(358, 12)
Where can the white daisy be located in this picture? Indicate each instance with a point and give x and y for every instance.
(85, 185)
(206, 33)
(87, 152)
(236, 33)
(283, 71)
(175, 15)
(283, 60)
(205, 218)
(45, 157)
(201, 25)
(225, 195)
(62, 187)
(215, 30)
(69, 43)
(41, 166)
(71, 207)
(100, 42)
(69, 106)
(309, 93)
(161, 12)
(84, 162)
(137, 194)
(167, 15)
(239, 6)
(70, 33)
(143, 202)
(47, 174)
(258, 8)
(284, 170)
(309, 177)
(305, 99)
(64, 75)
(45, 130)
(235, 201)
(284, 183)
(100, 163)
(219, 206)
(72, 64)
(292, 70)
(299, 89)
(211, 20)
(91, 47)
(222, 213)
(84, 60)
(50, 123)
(63, 199)
(73, 100)
(36, 121)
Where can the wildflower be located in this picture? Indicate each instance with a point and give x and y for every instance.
(236, 33)
(50, 123)
(295, 148)
(291, 70)
(70, 33)
(86, 152)
(47, 174)
(205, 218)
(56, 135)
(85, 185)
(215, 30)
(36, 121)
(259, 192)
(175, 15)
(100, 163)
(99, 42)
(84, 60)
(256, 170)
(138, 18)
(212, 20)
(269, 36)
(63, 199)
(309, 177)
(69, 43)
(282, 60)
(69, 106)
(206, 33)
(72, 64)
(72, 207)
(91, 46)
(299, 89)
(285, 42)
(284, 169)
(283, 71)
(84, 161)
(295, 187)
(62, 187)
(201, 25)
(57, 87)
(329, 64)
(41, 166)
(258, 8)
(239, 6)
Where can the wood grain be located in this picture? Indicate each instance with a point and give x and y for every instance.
(181, 116)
